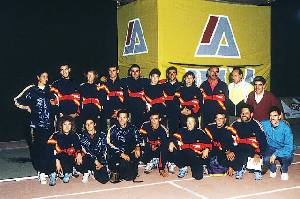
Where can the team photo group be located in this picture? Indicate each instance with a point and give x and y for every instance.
(108, 127)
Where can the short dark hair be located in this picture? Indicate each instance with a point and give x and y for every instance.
(189, 73)
(91, 70)
(113, 66)
(153, 113)
(259, 79)
(275, 109)
(62, 120)
(237, 69)
(135, 66)
(214, 67)
(155, 71)
(122, 111)
(171, 68)
(221, 112)
(248, 106)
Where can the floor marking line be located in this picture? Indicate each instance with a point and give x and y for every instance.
(264, 192)
(111, 189)
(187, 190)
(19, 179)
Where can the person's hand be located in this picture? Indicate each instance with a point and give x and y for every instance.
(256, 159)
(125, 157)
(28, 109)
(172, 147)
(186, 111)
(230, 171)
(230, 155)
(78, 159)
(103, 79)
(98, 165)
(272, 159)
(58, 166)
(205, 153)
(153, 147)
(137, 151)
(74, 115)
(52, 102)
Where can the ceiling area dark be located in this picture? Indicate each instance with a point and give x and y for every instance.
(251, 2)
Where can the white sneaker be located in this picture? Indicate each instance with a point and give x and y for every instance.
(171, 167)
(42, 178)
(85, 178)
(155, 162)
(272, 174)
(149, 167)
(284, 176)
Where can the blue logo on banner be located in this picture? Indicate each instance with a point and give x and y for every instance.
(217, 39)
(135, 41)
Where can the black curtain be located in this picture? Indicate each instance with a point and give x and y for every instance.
(44, 34)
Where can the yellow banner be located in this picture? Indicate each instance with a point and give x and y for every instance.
(195, 34)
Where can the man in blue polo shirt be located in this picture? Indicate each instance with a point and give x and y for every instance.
(280, 143)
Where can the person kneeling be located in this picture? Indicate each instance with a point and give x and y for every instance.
(94, 149)
(190, 147)
(67, 149)
(124, 143)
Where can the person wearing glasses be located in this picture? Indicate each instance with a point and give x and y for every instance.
(262, 100)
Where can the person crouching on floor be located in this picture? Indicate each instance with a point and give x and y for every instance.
(190, 147)
(67, 149)
(280, 143)
(124, 143)
(155, 141)
(95, 152)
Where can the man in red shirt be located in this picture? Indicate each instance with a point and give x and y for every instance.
(262, 100)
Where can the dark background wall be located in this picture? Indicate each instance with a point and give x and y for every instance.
(36, 34)
(45, 34)
(285, 48)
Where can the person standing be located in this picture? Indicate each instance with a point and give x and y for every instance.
(35, 99)
(262, 100)
(215, 95)
(239, 90)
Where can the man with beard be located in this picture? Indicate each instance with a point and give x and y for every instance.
(280, 143)
(171, 86)
(124, 143)
(215, 94)
(250, 140)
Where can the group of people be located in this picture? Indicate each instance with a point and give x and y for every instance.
(106, 128)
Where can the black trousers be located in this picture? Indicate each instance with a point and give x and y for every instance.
(67, 162)
(128, 170)
(42, 155)
(88, 163)
(188, 157)
(161, 152)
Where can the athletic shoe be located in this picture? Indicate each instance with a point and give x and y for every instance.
(272, 174)
(85, 178)
(42, 178)
(67, 177)
(284, 176)
(171, 167)
(75, 173)
(182, 172)
(155, 162)
(258, 175)
(239, 174)
(52, 179)
(149, 167)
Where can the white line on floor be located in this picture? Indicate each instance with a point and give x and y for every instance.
(187, 190)
(113, 189)
(19, 179)
(264, 192)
